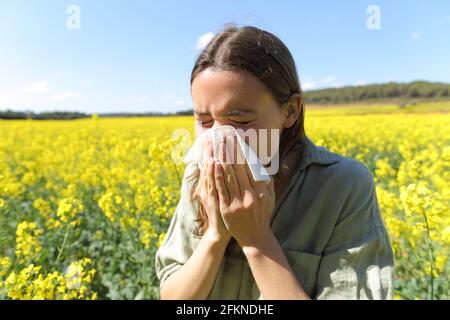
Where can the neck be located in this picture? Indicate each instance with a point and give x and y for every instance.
(287, 169)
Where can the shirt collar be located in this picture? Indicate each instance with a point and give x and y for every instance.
(316, 154)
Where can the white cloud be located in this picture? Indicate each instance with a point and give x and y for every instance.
(37, 87)
(360, 83)
(66, 96)
(203, 40)
(329, 79)
(416, 35)
(308, 85)
(176, 100)
(413, 37)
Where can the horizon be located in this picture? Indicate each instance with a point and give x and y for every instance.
(162, 113)
(110, 57)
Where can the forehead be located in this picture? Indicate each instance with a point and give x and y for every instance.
(220, 91)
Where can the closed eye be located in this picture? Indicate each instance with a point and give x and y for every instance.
(210, 122)
(242, 123)
(205, 123)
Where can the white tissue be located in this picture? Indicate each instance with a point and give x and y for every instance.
(217, 134)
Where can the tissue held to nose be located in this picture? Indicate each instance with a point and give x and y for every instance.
(223, 134)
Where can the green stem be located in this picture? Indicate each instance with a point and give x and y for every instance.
(66, 235)
(430, 255)
(174, 165)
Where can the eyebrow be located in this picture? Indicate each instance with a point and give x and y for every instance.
(231, 113)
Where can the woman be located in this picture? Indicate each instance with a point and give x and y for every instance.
(313, 232)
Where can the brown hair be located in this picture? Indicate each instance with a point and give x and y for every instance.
(265, 56)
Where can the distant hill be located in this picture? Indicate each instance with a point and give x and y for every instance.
(63, 115)
(400, 93)
(392, 93)
(56, 115)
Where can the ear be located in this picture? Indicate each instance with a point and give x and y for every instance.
(292, 109)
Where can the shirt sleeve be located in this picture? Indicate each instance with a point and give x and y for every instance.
(177, 246)
(357, 262)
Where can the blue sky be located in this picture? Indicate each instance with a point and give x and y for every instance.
(137, 55)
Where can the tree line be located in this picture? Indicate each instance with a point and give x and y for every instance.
(400, 93)
(397, 92)
(63, 115)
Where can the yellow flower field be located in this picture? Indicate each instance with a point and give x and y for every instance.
(84, 203)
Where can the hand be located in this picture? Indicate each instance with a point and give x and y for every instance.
(206, 193)
(246, 206)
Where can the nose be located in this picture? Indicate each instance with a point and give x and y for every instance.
(218, 123)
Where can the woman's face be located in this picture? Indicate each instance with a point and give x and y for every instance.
(238, 99)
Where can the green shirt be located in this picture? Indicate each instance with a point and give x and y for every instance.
(327, 222)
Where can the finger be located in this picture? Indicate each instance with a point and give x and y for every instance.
(212, 193)
(239, 169)
(230, 177)
(221, 168)
(222, 190)
(203, 182)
